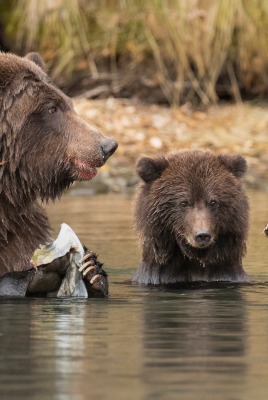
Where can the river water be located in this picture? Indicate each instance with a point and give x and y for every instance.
(141, 343)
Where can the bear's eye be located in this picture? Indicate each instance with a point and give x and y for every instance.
(213, 203)
(184, 204)
(52, 109)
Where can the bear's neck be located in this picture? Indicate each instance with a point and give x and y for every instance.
(22, 229)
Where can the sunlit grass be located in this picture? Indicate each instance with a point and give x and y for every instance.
(193, 48)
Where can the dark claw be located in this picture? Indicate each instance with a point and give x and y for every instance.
(95, 278)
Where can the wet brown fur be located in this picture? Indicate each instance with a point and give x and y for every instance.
(42, 140)
(182, 194)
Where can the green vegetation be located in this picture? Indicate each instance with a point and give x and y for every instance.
(193, 50)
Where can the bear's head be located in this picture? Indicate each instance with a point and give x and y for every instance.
(191, 202)
(44, 144)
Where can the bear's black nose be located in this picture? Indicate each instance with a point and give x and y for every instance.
(108, 148)
(203, 238)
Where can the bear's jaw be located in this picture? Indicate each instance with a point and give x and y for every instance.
(83, 171)
(196, 253)
(86, 174)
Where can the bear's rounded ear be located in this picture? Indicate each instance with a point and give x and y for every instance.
(150, 169)
(236, 164)
(37, 59)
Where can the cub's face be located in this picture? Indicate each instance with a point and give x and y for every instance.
(194, 198)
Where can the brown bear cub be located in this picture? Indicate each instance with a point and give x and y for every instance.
(44, 147)
(192, 217)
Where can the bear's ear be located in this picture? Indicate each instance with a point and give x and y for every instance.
(37, 59)
(150, 169)
(236, 164)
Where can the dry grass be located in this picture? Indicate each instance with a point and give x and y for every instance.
(195, 49)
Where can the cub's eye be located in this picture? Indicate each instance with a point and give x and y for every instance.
(184, 204)
(213, 203)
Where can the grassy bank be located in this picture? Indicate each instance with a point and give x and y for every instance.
(181, 50)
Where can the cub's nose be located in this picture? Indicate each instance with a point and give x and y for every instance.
(108, 147)
(203, 238)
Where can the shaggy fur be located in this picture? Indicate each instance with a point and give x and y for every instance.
(44, 147)
(192, 217)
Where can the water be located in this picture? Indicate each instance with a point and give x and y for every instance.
(141, 343)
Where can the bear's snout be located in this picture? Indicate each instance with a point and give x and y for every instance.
(203, 238)
(200, 231)
(108, 148)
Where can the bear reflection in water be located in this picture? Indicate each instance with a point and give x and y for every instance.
(192, 217)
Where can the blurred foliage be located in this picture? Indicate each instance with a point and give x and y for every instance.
(192, 50)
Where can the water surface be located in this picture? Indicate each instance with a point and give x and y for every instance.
(141, 343)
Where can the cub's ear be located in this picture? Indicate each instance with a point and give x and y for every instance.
(236, 164)
(150, 169)
(37, 59)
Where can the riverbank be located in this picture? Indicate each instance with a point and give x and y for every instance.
(143, 129)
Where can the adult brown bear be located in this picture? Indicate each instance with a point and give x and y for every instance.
(44, 147)
(192, 217)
